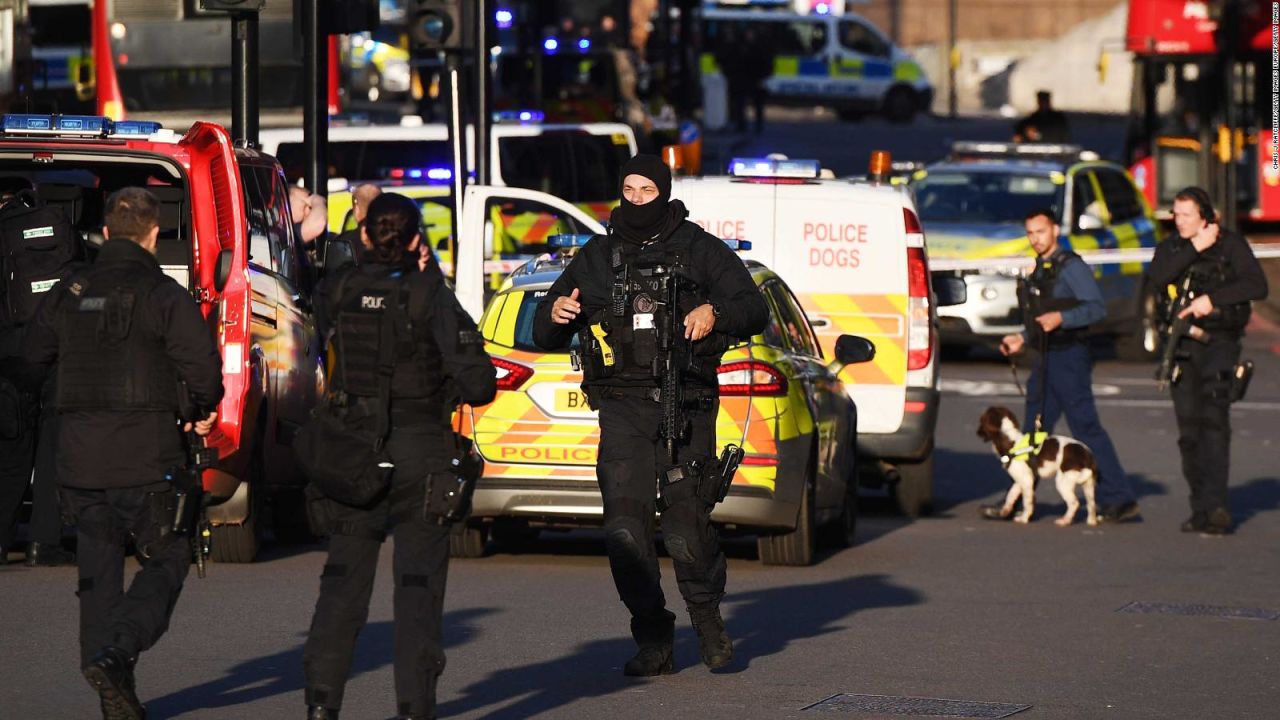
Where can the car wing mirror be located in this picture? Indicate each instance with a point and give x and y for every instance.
(950, 290)
(222, 269)
(851, 350)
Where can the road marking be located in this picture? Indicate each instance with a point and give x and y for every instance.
(898, 705)
(1159, 608)
(1121, 402)
(985, 388)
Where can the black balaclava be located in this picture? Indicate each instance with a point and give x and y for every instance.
(642, 223)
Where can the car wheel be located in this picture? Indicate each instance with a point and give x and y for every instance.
(795, 547)
(240, 543)
(900, 105)
(1144, 344)
(914, 489)
(467, 541)
(841, 532)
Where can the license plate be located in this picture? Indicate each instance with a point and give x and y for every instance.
(571, 400)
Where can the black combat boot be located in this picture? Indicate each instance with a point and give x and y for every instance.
(655, 636)
(713, 641)
(110, 672)
(316, 712)
(46, 555)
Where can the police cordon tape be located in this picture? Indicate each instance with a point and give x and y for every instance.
(1093, 257)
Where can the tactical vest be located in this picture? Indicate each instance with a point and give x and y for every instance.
(364, 300)
(1035, 296)
(107, 359)
(622, 344)
(1208, 273)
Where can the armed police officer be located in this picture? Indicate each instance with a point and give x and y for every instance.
(1060, 301)
(612, 296)
(1214, 276)
(431, 357)
(124, 337)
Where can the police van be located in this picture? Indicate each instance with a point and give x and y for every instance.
(839, 61)
(575, 162)
(854, 253)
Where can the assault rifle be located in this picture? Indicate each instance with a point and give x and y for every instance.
(190, 514)
(1176, 328)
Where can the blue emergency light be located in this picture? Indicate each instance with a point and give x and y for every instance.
(141, 128)
(504, 19)
(520, 116)
(431, 174)
(584, 44)
(774, 168)
(563, 241)
(738, 245)
(551, 45)
(82, 125)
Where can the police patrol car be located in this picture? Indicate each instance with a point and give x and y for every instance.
(225, 235)
(973, 205)
(855, 253)
(780, 401)
(841, 61)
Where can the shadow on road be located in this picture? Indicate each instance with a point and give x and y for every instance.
(1255, 497)
(281, 673)
(595, 668)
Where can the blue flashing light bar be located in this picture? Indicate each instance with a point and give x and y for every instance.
(564, 240)
(584, 44)
(77, 126)
(822, 9)
(431, 174)
(774, 168)
(738, 244)
(504, 19)
(551, 45)
(520, 116)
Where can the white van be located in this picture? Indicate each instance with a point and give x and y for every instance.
(577, 163)
(854, 254)
(840, 61)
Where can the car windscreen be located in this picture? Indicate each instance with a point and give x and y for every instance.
(369, 159)
(572, 165)
(985, 197)
(513, 326)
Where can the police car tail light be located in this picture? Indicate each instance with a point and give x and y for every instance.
(750, 377)
(511, 375)
(919, 327)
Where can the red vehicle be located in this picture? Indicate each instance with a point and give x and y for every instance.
(227, 236)
(1214, 128)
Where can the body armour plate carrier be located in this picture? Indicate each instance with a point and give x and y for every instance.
(364, 300)
(106, 359)
(1210, 272)
(621, 344)
(1035, 297)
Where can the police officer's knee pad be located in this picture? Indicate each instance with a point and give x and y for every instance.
(622, 538)
(678, 548)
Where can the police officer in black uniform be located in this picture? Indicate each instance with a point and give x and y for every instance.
(649, 229)
(1224, 277)
(439, 360)
(124, 335)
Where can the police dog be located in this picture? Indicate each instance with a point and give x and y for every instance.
(1066, 460)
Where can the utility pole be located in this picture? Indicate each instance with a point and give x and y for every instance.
(315, 113)
(953, 55)
(244, 77)
(484, 91)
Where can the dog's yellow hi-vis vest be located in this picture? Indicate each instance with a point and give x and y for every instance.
(1027, 446)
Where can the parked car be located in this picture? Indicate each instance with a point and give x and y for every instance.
(973, 205)
(225, 235)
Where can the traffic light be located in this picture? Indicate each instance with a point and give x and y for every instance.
(442, 24)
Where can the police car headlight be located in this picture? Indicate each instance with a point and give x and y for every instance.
(990, 293)
(396, 77)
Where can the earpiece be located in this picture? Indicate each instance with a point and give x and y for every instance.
(1202, 200)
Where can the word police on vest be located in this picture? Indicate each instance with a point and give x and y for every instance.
(372, 302)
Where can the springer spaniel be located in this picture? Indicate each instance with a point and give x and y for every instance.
(1069, 461)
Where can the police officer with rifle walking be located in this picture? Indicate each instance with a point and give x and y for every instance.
(1060, 300)
(1209, 275)
(404, 353)
(125, 337)
(654, 304)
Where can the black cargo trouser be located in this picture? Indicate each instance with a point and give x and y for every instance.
(106, 521)
(420, 564)
(32, 447)
(1201, 401)
(631, 458)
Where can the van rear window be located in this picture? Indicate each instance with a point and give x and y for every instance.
(574, 166)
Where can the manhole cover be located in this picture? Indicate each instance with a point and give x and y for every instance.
(1156, 608)
(914, 706)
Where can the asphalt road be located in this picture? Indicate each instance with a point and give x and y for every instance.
(948, 606)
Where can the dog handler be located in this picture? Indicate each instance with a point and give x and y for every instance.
(1060, 302)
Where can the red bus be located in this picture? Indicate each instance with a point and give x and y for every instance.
(1201, 111)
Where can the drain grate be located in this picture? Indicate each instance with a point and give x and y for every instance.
(916, 707)
(1156, 608)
